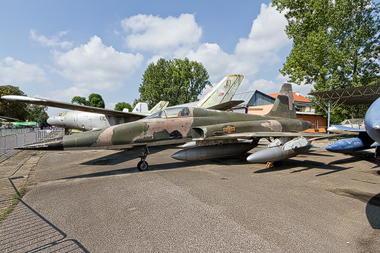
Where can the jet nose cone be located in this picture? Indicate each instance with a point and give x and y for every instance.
(333, 129)
(180, 155)
(55, 121)
(306, 125)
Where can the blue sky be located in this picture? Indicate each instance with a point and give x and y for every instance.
(61, 49)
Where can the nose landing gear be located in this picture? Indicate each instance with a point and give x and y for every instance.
(143, 165)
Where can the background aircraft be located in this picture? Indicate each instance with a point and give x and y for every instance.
(91, 118)
(87, 121)
(345, 124)
(369, 137)
(210, 133)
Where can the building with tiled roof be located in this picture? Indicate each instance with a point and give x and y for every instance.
(302, 104)
(259, 103)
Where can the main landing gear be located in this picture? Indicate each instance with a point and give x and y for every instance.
(273, 164)
(143, 165)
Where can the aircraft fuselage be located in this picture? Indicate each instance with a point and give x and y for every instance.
(179, 125)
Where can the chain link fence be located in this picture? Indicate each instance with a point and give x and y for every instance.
(19, 137)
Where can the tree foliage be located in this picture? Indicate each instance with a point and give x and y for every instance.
(80, 101)
(121, 105)
(335, 43)
(38, 114)
(94, 100)
(177, 81)
(12, 109)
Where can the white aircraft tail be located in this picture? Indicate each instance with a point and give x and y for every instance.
(222, 92)
(141, 108)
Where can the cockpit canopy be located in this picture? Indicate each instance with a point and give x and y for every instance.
(172, 113)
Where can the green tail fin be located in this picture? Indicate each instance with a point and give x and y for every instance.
(284, 103)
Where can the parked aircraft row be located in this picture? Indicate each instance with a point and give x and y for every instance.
(368, 137)
(208, 133)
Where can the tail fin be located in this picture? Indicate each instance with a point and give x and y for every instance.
(159, 106)
(222, 92)
(141, 108)
(284, 103)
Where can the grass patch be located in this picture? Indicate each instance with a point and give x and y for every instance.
(14, 202)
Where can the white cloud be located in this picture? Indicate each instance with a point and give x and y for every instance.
(217, 62)
(282, 78)
(95, 65)
(266, 38)
(180, 37)
(161, 35)
(68, 94)
(265, 86)
(17, 72)
(154, 59)
(267, 34)
(53, 41)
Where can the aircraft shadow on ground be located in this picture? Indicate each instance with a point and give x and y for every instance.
(356, 158)
(373, 211)
(124, 156)
(290, 164)
(25, 230)
(231, 160)
(372, 201)
(316, 153)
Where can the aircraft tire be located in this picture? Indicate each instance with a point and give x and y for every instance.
(142, 165)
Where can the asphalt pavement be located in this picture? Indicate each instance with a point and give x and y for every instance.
(98, 201)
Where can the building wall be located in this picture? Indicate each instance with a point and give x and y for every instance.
(262, 100)
(321, 122)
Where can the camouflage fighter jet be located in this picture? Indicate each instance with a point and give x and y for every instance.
(208, 133)
(86, 118)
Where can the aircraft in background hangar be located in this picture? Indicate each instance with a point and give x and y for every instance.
(208, 133)
(92, 118)
(369, 137)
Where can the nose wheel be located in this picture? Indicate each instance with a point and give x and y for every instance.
(143, 165)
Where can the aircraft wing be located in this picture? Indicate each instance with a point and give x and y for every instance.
(226, 105)
(70, 106)
(3, 118)
(349, 129)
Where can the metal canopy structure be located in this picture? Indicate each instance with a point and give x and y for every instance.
(351, 96)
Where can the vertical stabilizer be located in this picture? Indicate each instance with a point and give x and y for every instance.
(141, 108)
(222, 92)
(284, 103)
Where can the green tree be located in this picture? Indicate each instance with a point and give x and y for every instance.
(38, 114)
(94, 100)
(12, 109)
(177, 81)
(80, 100)
(121, 105)
(335, 43)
